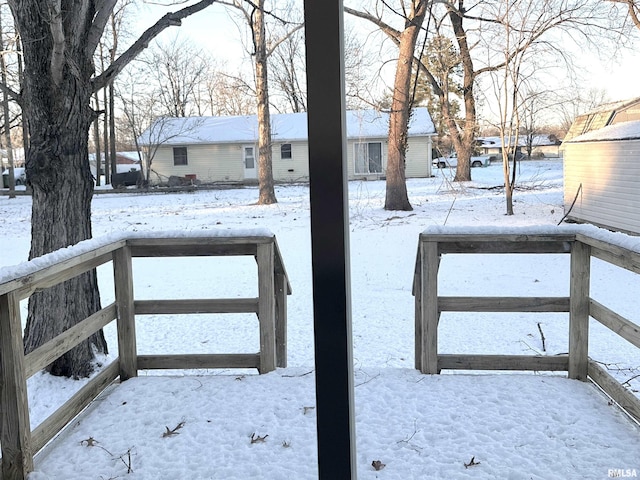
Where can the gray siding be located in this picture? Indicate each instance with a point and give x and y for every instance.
(609, 172)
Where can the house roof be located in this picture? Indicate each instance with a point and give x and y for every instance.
(285, 127)
(619, 131)
(604, 115)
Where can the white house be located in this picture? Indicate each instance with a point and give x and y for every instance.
(224, 149)
(602, 177)
(541, 145)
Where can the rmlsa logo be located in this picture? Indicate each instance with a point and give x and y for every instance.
(623, 473)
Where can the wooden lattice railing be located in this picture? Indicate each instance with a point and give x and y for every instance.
(18, 442)
(579, 305)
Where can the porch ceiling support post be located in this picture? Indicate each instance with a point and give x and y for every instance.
(329, 239)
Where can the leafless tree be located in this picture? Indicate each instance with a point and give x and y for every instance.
(412, 14)
(254, 15)
(58, 46)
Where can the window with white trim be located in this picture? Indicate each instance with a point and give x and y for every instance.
(368, 157)
(285, 151)
(180, 156)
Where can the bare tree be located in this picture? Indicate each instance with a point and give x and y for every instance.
(254, 15)
(412, 13)
(177, 68)
(58, 44)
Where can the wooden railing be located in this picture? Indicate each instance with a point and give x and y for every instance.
(18, 442)
(579, 305)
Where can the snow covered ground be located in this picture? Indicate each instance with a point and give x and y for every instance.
(454, 426)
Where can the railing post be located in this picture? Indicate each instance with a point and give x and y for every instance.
(429, 306)
(281, 319)
(579, 311)
(123, 283)
(266, 306)
(417, 292)
(15, 436)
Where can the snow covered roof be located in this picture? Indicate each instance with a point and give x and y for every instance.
(285, 127)
(537, 141)
(618, 131)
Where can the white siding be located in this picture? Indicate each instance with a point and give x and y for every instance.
(224, 162)
(610, 176)
(209, 163)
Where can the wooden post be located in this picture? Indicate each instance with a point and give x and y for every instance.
(417, 292)
(281, 320)
(15, 436)
(123, 282)
(266, 307)
(429, 307)
(579, 311)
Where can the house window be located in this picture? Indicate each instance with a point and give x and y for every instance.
(285, 151)
(180, 156)
(368, 157)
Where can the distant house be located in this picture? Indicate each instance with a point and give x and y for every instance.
(602, 176)
(224, 149)
(542, 146)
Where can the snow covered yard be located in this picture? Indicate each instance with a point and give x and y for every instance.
(229, 425)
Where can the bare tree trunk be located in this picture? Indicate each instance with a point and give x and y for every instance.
(56, 103)
(7, 120)
(112, 130)
(265, 171)
(96, 139)
(396, 195)
(25, 127)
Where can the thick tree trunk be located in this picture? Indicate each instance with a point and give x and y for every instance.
(56, 102)
(465, 140)
(396, 194)
(265, 170)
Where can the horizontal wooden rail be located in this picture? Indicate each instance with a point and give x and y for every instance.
(504, 362)
(623, 397)
(199, 361)
(72, 407)
(178, 307)
(503, 304)
(61, 344)
(617, 323)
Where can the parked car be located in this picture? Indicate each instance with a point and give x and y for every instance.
(452, 161)
(19, 175)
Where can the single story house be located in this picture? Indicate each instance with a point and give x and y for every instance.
(602, 177)
(224, 149)
(542, 146)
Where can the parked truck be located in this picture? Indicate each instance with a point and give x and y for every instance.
(452, 161)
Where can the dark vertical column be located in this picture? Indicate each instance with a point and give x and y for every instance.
(329, 239)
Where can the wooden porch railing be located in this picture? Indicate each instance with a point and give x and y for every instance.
(581, 247)
(18, 442)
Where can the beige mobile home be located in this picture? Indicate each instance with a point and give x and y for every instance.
(602, 177)
(224, 149)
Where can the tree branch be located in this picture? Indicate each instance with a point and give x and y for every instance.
(275, 45)
(103, 11)
(57, 35)
(171, 19)
(391, 32)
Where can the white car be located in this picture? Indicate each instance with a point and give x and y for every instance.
(452, 161)
(18, 173)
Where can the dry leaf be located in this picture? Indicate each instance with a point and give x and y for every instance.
(377, 465)
(257, 438)
(171, 433)
(471, 463)
(89, 442)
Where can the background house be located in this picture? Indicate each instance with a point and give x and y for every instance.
(542, 146)
(602, 177)
(224, 149)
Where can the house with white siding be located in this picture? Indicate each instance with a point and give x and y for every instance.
(224, 149)
(602, 177)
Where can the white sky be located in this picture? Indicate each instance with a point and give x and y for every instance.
(213, 30)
